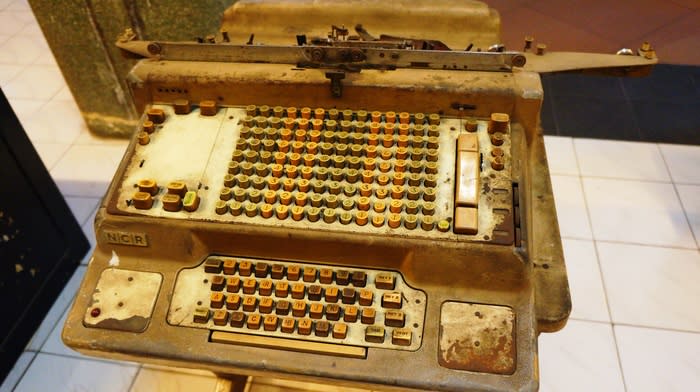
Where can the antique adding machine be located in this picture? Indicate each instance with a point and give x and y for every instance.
(372, 211)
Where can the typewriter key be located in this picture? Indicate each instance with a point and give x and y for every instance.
(350, 314)
(233, 302)
(233, 284)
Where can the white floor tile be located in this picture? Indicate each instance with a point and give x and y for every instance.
(87, 170)
(54, 344)
(32, 29)
(617, 159)
(62, 374)
(657, 360)
(50, 153)
(4, 4)
(8, 71)
(26, 109)
(17, 371)
(561, 155)
(571, 207)
(151, 380)
(683, 162)
(64, 95)
(581, 357)
(585, 283)
(19, 5)
(22, 49)
(39, 82)
(690, 197)
(82, 207)
(57, 310)
(636, 212)
(11, 23)
(652, 287)
(43, 126)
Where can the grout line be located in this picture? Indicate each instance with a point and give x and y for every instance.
(600, 269)
(666, 329)
(607, 304)
(680, 201)
(619, 179)
(24, 372)
(133, 379)
(57, 323)
(628, 243)
(614, 324)
(94, 359)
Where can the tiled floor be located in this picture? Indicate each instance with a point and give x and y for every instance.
(629, 214)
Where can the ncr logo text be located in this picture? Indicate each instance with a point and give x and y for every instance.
(125, 238)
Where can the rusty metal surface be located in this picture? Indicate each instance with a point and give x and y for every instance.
(123, 299)
(345, 57)
(507, 277)
(477, 338)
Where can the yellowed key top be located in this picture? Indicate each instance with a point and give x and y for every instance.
(374, 334)
(468, 142)
(401, 337)
(467, 192)
(466, 220)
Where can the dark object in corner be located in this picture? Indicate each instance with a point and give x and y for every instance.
(41, 243)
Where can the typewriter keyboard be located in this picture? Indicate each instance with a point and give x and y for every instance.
(366, 308)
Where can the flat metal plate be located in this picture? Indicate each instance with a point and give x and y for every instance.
(478, 338)
(123, 300)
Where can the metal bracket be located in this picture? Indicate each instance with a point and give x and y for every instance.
(336, 85)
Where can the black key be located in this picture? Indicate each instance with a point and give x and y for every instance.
(342, 278)
(322, 328)
(315, 292)
(213, 266)
(282, 308)
(261, 270)
(217, 283)
(277, 271)
(333, 312)
(237, 319)
(348, 295)
(359, 279)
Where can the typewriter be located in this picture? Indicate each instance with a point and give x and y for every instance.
(367, 211)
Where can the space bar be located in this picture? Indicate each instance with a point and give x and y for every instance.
(288, 344)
